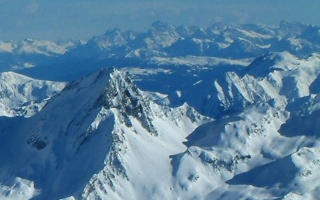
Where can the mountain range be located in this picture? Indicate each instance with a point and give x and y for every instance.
(224, 112)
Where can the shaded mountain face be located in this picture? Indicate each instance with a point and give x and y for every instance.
(189, 113)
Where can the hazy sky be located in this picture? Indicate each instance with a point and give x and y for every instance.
(81, 19)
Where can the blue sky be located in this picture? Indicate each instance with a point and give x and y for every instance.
(81, 19)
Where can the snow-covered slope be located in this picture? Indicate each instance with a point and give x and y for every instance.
(266, 132)
(264, 113)
(23, 96)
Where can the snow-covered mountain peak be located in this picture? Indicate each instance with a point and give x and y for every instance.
(121, 92)
(108, 121)
(271, 61)
(162, 26)
(284, 62)
(111, 39)
(6, 47)
(38, 47)
(113, 88)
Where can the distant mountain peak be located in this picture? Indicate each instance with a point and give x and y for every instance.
(161, 26)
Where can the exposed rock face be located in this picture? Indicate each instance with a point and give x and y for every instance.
(123, 95)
